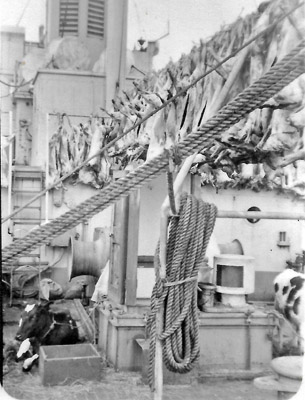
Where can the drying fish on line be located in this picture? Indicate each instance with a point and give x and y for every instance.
(261, 137)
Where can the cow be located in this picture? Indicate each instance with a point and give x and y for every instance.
(289, 288)
(39, 325)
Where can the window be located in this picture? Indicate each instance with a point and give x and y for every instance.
(253, 220)
(68, 18)
(96, 17)
(230, 276)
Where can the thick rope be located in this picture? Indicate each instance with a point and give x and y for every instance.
(279, 76)
(189, 235)
(171, 194)
(149, 115)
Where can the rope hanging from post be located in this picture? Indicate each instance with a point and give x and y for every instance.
(170, 189)
(189, 235)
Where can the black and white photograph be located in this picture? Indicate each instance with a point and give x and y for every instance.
(152, 199)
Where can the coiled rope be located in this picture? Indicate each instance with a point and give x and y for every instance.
(279, 76)
(189, 235)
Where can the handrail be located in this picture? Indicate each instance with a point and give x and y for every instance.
(299, 216)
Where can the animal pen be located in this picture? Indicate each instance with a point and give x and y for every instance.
(123, 318)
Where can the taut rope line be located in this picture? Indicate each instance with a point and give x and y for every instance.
(284, 72)
(149, 115)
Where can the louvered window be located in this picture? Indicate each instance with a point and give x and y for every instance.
(68, 18)
(96, 13)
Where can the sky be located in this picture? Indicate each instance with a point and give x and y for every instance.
(179, 23)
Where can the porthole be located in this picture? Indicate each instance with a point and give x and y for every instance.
(253, 220)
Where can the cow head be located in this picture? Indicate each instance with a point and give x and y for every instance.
(34, 321)
(290, 296)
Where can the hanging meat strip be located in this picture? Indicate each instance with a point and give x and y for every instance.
(96, 144)
(54, 160)
(65, 161)
(84, 142)
(157, 136)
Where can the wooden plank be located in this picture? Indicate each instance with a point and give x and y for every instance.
(145, 259)
(165, 212)
(132, 248)
(118, 252)
(85, 326)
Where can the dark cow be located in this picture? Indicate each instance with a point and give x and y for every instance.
(41, 326)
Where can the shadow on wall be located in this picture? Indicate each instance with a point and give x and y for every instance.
(263, 286)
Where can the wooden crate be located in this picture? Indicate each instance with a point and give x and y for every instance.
(64, 364)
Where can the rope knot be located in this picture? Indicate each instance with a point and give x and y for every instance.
(174, 157)
(160, 284)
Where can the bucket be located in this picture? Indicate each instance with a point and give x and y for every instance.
(287, 379)
(205, 272)
(206, 293)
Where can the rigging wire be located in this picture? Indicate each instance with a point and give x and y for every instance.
(149, 115)
(16, 86)
(141, 27)
(23, 12)
(6, 95)
(279, 76)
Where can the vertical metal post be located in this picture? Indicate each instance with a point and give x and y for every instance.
(11, 284)
(39, 273)
(248, 339)
(9, 200)
(47, 169)
(10, 162)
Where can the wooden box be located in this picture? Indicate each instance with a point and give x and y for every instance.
(64, 364)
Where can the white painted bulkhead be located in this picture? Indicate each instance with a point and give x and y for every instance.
(259, 240)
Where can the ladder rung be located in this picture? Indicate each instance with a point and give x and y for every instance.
(6, 270)
(28, 207)
(28, 175)
(26, 221)
(26, 168)
(25, 191)
(27, 255)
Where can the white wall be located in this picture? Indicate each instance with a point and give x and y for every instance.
(57, 91)
(260, 239)
(116, 38)
(6, 239)
(12, 47)
(71, 197)
(152, 197)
